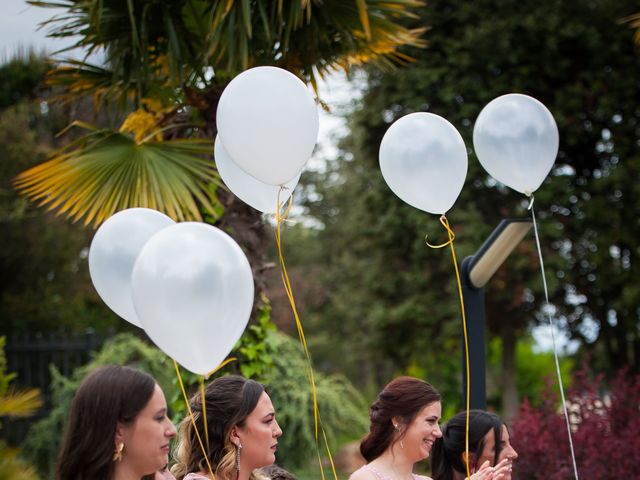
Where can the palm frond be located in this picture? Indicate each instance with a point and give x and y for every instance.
(106, 171)
(20, 403)
(634, 22)
(163, 45)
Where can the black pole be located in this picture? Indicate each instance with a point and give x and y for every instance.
(474, 310)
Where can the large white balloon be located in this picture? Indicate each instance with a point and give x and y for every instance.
(259, 195)
(193, 292)
(516, 140)
(423, 159)
(268, 122)
(114, 250)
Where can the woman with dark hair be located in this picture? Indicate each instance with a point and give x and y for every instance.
(404, 426)
(490, 452)
(242, 432)
(118, 427)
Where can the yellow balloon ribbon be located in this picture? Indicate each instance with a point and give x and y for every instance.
(280, 218)
(204, 407)
(452, 236)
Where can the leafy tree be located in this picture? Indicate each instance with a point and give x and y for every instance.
(172, 61)
(44, 281)
(393, 297)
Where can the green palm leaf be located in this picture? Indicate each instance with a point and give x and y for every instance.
(106, 171)
(21, 403)
(150, 45)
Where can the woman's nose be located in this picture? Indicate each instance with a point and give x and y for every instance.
(512, 454)
(278, 431)
(171, 431)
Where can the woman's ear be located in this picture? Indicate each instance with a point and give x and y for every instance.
(234, 437)
(397, 423)
(472, 461)
(119, 436)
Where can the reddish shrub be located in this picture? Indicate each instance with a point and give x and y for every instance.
(605, 431)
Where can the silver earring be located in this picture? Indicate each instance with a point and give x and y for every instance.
(238, 448)
(401, 444)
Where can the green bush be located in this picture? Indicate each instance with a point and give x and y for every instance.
(343, 409)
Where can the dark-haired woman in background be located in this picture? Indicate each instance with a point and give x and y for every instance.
(490, 452)
(404, 426)
(118, 427)
(242, 428)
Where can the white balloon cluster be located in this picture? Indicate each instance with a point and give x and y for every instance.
(423, 158)
(189, 285)
(267, 123)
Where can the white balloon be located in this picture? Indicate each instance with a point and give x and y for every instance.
(259, 195)
(192, 289)
(516, 140)
(114, 250)
(268, 123)
(423, 159)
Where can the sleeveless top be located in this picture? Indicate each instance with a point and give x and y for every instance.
(194, 476)
(382, 476)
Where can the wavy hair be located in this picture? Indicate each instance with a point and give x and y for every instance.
(228, 402)
(403, 397)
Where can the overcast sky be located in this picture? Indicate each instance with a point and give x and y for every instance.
(19, 28)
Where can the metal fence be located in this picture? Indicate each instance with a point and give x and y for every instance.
(30, 356)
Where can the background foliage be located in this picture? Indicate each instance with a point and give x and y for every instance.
(605, 436)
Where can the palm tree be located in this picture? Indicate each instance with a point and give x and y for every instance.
(169, 62)
(14, 404)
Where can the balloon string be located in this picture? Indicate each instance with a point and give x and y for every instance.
(553, 337)
(280, 218)
(451, 234)
(193, 420)
(204, 412)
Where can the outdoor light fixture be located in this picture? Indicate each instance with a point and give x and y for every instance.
(476, 271)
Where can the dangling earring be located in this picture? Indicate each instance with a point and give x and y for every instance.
(238, 448)
(398, 430)
(117, 454)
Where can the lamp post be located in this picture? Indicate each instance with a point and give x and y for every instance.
(476, 271)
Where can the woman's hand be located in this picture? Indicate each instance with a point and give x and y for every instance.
(487, 472)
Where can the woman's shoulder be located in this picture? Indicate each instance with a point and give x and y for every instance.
(421, 477)
(194, 476)
(363, 473)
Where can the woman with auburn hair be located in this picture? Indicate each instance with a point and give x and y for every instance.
(489, 445)
(118, 427)
(242, 428)
(403, 429)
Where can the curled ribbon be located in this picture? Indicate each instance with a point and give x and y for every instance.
(445, 223)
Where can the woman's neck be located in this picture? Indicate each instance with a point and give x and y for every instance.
(241, 475)
(394, 464)
(124, 471)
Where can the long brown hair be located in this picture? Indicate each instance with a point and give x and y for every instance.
(403, 397)
(109, 395)
(448, 450)
(228, 402)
